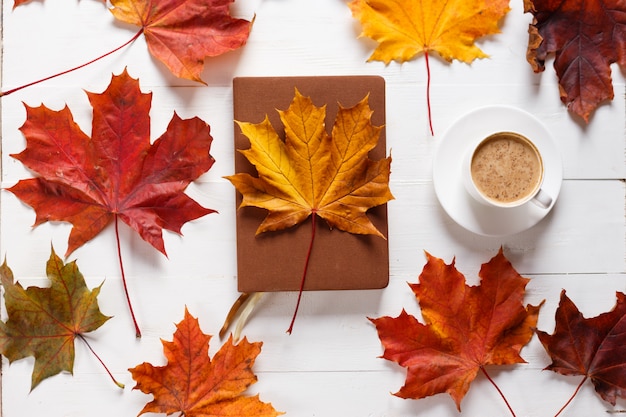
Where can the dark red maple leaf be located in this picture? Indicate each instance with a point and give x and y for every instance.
(117, 173)
(586, 37)
(592, 347)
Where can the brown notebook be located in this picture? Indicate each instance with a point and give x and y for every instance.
(274, 261)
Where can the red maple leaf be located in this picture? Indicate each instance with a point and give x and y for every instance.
(592, 347)
(465, 329)
(182, 33)
(117, 173)
(586, 37)
(179, 33)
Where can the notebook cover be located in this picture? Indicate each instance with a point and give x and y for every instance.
(274, 261)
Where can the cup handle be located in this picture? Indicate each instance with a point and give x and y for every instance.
(542, 199)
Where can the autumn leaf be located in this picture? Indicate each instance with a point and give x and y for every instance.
(405, 29)
(194, 385)
(312, 173)
(44, 322)
(179, 33)
(182, 33)
(465, 329)
(585, 38)
(592, 347)
(117, 174)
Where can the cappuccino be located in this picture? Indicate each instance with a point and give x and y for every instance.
(506, 167)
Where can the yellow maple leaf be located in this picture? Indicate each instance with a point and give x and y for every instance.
(312, 172)
(406, 28)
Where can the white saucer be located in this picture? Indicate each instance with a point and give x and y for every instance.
(466, 132)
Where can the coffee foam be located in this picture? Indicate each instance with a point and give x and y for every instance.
(506, 168)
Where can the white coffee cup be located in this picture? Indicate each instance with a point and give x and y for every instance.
(505, 170)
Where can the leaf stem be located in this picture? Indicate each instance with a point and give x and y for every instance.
(482, 368)
(572, 397)
(306, 267)
(119, 384)
(13, 90)
(119, 256)
(430, 116)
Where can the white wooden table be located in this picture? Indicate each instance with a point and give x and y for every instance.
(330, 366)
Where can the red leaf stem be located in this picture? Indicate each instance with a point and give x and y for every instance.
(119, 384)
(482, 368)
(572, 397)
(119, 256)
(430, 116)
(13, 90)
(306, 267)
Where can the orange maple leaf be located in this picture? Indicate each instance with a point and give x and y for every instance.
(466, 328)
(195, 385)
(586, 38)
(404, 29)
(312, 173)
(182, 33)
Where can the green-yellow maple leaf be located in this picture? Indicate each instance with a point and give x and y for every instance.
(44, 322)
